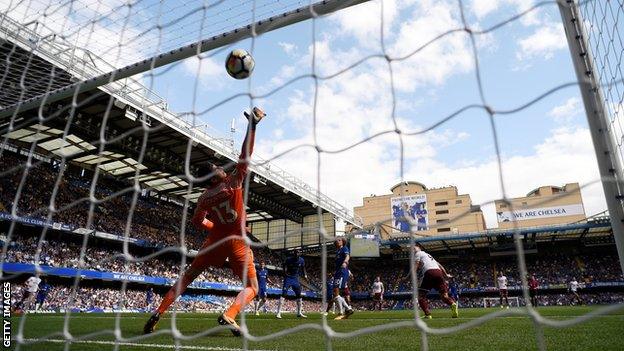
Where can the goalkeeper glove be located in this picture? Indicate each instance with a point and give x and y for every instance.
(256, 115)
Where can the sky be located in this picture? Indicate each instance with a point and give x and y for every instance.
(353, 116)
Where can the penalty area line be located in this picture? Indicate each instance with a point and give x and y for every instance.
(136, 344)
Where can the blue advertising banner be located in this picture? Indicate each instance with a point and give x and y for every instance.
(31, 221)
(10, 267)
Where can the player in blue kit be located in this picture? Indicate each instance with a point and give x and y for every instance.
(454, 291)
(330, 295)
(262, 275)
(149, 298)
(42, 294)
(294, 267)
(341, 277)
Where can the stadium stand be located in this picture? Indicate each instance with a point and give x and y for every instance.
(155, 221)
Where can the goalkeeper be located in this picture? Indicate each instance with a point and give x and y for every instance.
(221, 211)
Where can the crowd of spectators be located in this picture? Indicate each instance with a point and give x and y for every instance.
(63, 297)
(472, 302)
(154, 220)
(560, 270)
(549, 270)
(160, 222)
(67, 254)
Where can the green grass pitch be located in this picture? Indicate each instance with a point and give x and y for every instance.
(605, 332)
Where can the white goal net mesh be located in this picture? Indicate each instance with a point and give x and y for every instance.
(69, 69)
(489, 302)
(606, 43)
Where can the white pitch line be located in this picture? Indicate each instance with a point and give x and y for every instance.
(134, 344)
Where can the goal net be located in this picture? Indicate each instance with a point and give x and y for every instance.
(109, 109)
(489, 302)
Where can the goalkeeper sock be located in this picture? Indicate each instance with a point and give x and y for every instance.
(177, 289)
(242, 299)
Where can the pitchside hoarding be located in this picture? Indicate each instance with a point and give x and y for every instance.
(406, 208)
(540, 213)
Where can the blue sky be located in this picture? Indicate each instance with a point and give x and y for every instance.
(518, 63)
(546, 143)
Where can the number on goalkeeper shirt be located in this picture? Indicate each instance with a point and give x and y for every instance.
(225, 213)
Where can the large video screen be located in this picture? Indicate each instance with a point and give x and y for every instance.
(364, 247)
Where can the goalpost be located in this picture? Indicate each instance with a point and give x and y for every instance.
(58, 60)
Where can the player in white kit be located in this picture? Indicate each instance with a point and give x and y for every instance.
(378, 292)
(573, 287)
(431, 275)
(502, 289)
(28, 294)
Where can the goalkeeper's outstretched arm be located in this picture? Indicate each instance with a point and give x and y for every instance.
(254, 118)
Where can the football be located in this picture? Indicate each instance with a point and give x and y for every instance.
(239, 64)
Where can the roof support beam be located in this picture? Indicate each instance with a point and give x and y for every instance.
(448, 248)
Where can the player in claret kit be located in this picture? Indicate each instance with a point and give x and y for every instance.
(294, 267)
(502, 289)
(533, 286)
(28, 293)
(260, 302)
(431, 275)
(221, 211)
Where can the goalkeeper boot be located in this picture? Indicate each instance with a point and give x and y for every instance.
(426, 316)
(150, 326)
(454, 310)
(225, 320)
(348, 313)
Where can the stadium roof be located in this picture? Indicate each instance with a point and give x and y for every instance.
(132, 115)
(595, 231)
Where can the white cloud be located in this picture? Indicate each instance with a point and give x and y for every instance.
(206, 69)
(364, 21)
(93, 26)
(372, 167)
(418, 23)
(289, 48)
(482, 8)
(566, 156)
(439, 60)
(286, 72)
(543, 42)
(566, 111)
